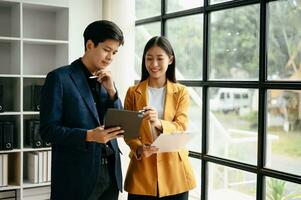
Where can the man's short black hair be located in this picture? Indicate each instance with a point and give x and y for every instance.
(102, 30)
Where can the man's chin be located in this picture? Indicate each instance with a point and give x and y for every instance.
(101, 67)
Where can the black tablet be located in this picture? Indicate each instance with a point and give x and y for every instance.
(129, 121)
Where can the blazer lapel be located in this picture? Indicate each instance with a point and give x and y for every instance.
(141, 100)
(141, 97)
(169, 111)
(80, 81)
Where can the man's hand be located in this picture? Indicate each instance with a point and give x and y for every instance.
(106, 80)
(101, 135)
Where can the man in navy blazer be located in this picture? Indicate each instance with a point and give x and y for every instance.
(74, 99)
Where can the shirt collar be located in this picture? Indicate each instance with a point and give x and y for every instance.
(85, 69)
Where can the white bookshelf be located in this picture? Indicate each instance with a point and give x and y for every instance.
(34, 39)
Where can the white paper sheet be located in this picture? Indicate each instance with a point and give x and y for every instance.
(172, 142)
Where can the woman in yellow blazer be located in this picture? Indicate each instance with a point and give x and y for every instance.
(153, 175)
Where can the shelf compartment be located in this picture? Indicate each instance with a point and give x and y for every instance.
(36, 168)
(9, 19)
(14, 172)
(17, 131)
(11, 94)
(28, 101)
(39, 59)
(45, 22)
(10, 56)
(26, 130)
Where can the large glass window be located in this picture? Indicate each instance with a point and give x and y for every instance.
(279, 189)
(187, 41)
(229, 183)
(143, 34)
(177, 5)
(284, 130)
(195, 118)
(234, 44)
(284, 40)
(241, 63)
(233, 123)
(147, 8)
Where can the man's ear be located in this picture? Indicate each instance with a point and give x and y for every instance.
(89, 45)
(170, 60)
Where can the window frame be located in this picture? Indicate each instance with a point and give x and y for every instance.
(262, 85)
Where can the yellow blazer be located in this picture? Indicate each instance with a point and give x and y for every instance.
(172, 172)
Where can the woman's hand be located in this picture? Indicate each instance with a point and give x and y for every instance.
(151, 114)
(146, 150)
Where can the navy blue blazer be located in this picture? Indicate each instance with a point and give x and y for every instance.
(67, 111)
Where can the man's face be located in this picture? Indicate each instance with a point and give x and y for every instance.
(102, 55)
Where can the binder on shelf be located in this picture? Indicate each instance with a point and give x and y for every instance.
(1, 99)
(48, 166)
(46, 144)
(1, 137)
(7, 135)
(40, 165)
(32, 168)
(1, 170)
(45, 166)
(33, 138)
(35, 97)
(4, 169)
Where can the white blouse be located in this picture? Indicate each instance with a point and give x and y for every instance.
(156, 99)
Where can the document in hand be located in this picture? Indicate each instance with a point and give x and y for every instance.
(172, 142)
(129, 121)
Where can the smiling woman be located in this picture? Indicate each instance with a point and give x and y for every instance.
(166, 105)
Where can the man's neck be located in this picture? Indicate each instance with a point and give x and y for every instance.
(87, 64)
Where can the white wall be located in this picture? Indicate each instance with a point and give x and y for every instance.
(123, 14)
(123, 70)
(82, 13)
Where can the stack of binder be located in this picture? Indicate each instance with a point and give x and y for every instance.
(3, 170)
(39, 166)
(1, 99)
(7, 135)
(33, 138)
(35, 97)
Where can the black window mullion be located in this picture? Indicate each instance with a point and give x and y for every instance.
(261, 150)
(205, 110)
(204, 147)
(163, 11)
(261, 147)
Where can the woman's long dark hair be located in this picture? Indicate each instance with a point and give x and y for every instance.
(164, 44)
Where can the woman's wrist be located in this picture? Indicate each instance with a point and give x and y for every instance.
(158, 125)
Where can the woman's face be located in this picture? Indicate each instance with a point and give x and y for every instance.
(156, 62)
